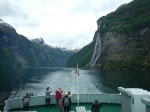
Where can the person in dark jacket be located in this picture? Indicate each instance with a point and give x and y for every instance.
(2, 104)
(96, 106)
(66, 103)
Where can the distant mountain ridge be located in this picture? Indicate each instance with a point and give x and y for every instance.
(122, 40)
(40, 41)
(18, 51)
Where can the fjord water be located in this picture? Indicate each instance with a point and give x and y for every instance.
(16, 82)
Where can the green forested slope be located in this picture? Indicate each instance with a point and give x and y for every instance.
(128, 17)
(129, 25)
(82, 57)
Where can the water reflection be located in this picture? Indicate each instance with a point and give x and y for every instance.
(111, 80)
(16, 82)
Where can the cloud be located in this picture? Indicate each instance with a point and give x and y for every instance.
(8, 9)
(67, 23)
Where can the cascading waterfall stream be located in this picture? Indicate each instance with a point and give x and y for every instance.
(97, 50)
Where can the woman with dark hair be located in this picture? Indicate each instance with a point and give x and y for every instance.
(66, 103)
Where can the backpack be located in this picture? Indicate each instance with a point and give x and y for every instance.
(66, 101)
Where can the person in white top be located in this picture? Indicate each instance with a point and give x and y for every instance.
(47, 96)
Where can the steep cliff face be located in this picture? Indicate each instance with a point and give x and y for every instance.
(118, 51)
(122, 40)
(117, 48)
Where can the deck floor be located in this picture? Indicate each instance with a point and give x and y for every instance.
(104, 108)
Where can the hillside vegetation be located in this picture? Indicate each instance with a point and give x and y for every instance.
(18, 51)
(125, 39)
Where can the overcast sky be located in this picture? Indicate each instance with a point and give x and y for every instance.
(65, 23)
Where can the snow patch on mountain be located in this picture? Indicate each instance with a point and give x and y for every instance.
(39, 41)
(42, 42)
(3, 23)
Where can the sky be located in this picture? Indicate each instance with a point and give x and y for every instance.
(61, 23)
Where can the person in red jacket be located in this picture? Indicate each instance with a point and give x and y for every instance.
(58, 96)
(60, 105)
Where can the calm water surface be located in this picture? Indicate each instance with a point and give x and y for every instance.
(16, 82)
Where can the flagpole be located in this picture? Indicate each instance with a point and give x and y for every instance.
(77, 85)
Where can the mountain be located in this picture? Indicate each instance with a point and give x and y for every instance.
(58, 56)
(18, 51)
(122, 40)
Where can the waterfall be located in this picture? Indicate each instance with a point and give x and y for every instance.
(97, 50)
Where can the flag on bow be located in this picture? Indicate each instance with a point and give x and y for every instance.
(77, 71)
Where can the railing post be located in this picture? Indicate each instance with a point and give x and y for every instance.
(21, 103)
(109, 98)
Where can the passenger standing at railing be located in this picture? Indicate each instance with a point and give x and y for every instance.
(2, 104)
(47, 96)
(26, 100)
(69, 96)
(66, 103)
(58, 96)
(96, 106)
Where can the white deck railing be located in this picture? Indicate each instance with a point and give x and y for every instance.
(83, 98)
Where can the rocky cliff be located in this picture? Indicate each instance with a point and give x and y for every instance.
(122, 39)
